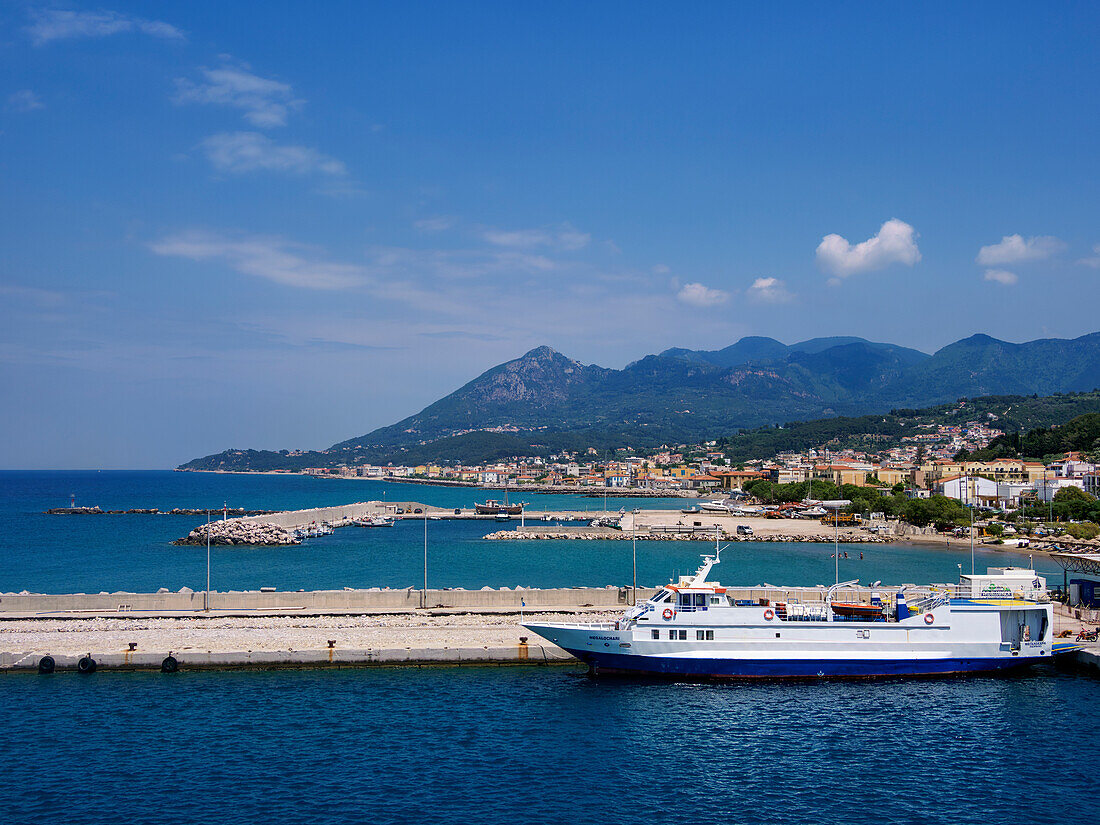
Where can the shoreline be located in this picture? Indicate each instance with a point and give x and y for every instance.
(543, 489)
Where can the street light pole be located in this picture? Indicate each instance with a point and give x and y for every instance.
(634, 541)
(206, 601)
(424, 592)
(836, 542)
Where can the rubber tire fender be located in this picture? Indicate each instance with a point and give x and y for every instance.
(169, 665)
(46, 665)
(85, 665)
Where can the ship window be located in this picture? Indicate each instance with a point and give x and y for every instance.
(678, 634)
(716, 600)
(660, 597)
(704, 635)
(700, 599)
(656, 633)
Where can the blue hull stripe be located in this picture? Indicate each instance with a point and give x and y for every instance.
(763, 668)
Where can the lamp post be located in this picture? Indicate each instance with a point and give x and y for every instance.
(634, 542)
(836, 543)
(971, 536)
(424, 592)
(206, 601)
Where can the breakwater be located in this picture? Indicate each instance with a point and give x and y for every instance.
(188, 602)
(96, 510)
(237, 532)
(848, 537)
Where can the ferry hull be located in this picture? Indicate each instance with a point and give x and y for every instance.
(692, 668)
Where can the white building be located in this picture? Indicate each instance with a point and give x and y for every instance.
(968, 489)
(1047, 488)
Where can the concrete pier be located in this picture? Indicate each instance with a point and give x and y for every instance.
(279, 641)
(187, 603)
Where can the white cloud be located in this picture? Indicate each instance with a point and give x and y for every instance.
(265, 103)
(275, 259)
(1015, 249)
(24, 101)
(438, 224)
(60, 24)
(769, 291)
(661, 269)
(698, 295)
(566, 238)
(895, 243)
(241, 152)
(1001, 276)
(1094, 261)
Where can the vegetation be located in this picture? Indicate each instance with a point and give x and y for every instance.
(1080, 434)
(876, 432)
(945, 513)
(1011, 413)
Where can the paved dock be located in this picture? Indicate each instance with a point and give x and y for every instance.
(269, 642)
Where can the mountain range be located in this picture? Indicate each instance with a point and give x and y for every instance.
(544, 401)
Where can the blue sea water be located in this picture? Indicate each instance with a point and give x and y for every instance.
(494, 745)
(497, 746)
(65, 554)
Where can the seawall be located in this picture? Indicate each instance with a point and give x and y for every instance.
(314, 602)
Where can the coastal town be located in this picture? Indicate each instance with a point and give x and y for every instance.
(923, 465)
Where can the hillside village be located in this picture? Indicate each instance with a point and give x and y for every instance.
(922, 465)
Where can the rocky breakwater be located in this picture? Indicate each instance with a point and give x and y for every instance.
(233, 532)
(843, 538)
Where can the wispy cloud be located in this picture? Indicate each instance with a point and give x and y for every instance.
(1001, 276)
(769, 291)
(437, 224)
(272, 258)
(265, 103)
(565, 238)
(61, 24)
(41, 297)
(1014, 249)
(695, 294)
(1094, 261)
(895, 243)
(24, 101)
(241, 152)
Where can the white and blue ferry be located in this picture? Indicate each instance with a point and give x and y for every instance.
(697, 629)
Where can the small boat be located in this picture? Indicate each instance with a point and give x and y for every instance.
(492, 507)
(375, 521)
(691, 511)
(852, 610)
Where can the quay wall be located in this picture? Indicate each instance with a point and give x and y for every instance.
(517, 654)
(22, 605)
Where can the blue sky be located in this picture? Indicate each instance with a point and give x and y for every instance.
(281, 225)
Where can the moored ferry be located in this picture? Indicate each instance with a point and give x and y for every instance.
(698, 629)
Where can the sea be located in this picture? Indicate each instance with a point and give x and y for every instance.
(496, 745)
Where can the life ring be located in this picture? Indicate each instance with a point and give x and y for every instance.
(769, 614)
(929, 618)
(668, 614)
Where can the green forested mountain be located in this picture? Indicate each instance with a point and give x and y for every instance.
(544, 400)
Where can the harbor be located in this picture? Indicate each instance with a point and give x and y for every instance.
(364, 628)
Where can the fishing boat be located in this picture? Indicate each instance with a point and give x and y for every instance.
(492, 507)
(699, 629)
(375, 521)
